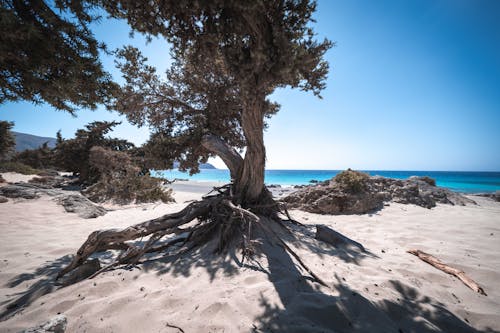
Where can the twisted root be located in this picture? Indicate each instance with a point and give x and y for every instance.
(216, 216)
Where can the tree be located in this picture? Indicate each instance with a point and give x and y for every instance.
(73, 154)
(229, 56)
(7, 140)
(39, 158)
(49, 54)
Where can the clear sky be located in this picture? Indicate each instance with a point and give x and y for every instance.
(414, 85)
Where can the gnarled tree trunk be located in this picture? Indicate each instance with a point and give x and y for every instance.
(250, 183)
(247, 173)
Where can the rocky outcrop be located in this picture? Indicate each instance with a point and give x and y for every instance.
(3, 199)
(78, 204)
(495, 196)
(20, 191)
(72, 202)
(358, 194)
(54, 325)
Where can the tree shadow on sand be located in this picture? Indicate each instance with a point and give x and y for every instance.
(307, 307)
(46, 283)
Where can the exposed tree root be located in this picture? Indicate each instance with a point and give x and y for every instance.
(214, 217)
(433, 261)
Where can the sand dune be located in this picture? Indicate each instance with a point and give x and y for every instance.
(382, 290)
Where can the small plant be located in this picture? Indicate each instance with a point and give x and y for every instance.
(428, 180)
(41, 180)
(18, 167)
(48, 173)
(352, 181)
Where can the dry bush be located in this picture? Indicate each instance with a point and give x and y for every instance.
(73, 155)
(428, 180)
(352, 181)
(39, 158)
(45, 180)
(17, 167)
(120, 181)
(48, 173)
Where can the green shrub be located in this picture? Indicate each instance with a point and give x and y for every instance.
(7, 140)
(73, 154)
(120, 180)
(428, 180)
(41, 180)
(48, 173)
(18, 167)
(39, 158)
(352, 181)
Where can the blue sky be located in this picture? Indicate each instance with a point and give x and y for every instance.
(414, 85)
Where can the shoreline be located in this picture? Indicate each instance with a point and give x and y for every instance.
(279, 190)
(459, 182)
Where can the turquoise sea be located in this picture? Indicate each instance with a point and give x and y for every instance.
(467, 182)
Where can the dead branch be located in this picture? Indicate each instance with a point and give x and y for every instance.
(433, 261)
(107, 239)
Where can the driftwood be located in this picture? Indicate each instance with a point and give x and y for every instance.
(330, 236)
(431, 260)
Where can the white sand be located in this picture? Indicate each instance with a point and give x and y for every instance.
(13, 177)
(382, 291)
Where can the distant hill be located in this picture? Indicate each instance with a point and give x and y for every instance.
(202, 165)
(27, 141)
(207, 166)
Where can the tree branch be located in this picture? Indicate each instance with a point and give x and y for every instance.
(228, 154)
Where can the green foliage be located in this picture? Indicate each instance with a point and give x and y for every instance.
(352, 181)
(59, 138)
(40, 158)
(428, 180)
(7, 140)
(229, 56)
(41, 180)
(121, 181)
(48, 173)
(49, 54)
(17, 167)
(73, 154)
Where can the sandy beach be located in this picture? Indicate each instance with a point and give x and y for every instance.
(384, 289)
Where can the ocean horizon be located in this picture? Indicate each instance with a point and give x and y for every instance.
(458, 181)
